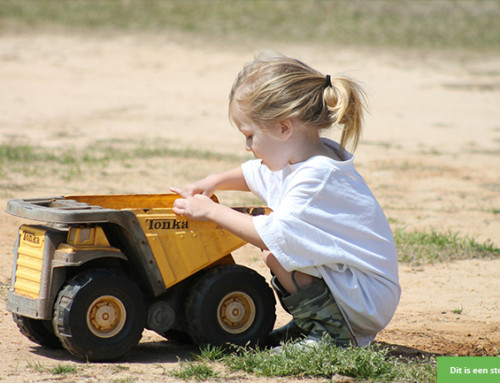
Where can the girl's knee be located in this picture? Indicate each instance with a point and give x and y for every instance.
(270, 260)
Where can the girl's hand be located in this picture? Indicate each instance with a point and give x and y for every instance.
(205, 186)
(202, 208)
(193, 206)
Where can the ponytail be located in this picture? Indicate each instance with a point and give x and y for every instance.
(344, 100)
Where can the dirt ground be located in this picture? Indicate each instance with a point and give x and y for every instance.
(430, 152)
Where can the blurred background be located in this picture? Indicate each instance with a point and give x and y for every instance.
(437, 24)
(130, 96)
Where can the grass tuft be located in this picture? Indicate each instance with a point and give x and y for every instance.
(59, 369)
(62, 369)
(417, 248)
(198, 371)
(212, 353)
(37, 366)
(365, 364)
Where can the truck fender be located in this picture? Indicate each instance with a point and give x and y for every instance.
(78, 258)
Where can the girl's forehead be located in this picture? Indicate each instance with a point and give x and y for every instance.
(246, 131)
(238, 116)
(244, 124)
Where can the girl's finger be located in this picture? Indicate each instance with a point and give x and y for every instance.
(178, 211)
(178, 207)
(181, 192)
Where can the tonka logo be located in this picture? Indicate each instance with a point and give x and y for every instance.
(166, 224)
(31, 238)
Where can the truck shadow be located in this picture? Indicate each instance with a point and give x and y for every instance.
(144, 352)
(160, 352)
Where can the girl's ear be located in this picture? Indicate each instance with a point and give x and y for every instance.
(285, 129)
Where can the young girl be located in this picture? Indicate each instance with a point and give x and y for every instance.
(327, 241)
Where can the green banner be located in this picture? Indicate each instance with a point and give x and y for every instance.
(468, 369)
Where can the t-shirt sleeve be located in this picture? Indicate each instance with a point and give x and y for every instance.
(288, 231)
(276, 233)
(254, 177)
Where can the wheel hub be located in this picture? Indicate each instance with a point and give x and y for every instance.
(236, 312)
(106, 316)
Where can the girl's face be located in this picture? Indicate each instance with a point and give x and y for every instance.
(266, 145)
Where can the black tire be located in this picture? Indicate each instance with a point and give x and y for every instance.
(38, 331)
(99, 315)
(230, 304)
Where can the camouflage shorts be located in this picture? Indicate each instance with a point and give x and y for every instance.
(315, 311)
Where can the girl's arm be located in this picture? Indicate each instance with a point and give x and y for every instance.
(200, 207)
(230, 180)
(196, 204)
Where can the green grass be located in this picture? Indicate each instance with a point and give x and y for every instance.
(59, 369)
(194, 370)
(365, 364)
(37, 366)
(71, 162)
(419, 247)
(405, 23)
(62, 369)
(26, 153)
(458, 311)
(102, 153)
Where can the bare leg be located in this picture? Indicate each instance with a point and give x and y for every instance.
(285, 277)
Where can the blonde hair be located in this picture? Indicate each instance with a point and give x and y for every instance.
(273, 89)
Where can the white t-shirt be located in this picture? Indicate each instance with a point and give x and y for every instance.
(326, 223)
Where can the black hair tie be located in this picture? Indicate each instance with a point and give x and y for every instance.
(328, 82)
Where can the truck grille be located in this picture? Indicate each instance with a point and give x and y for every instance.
(29, 261)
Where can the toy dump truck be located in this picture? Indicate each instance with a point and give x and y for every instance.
(102, 268)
